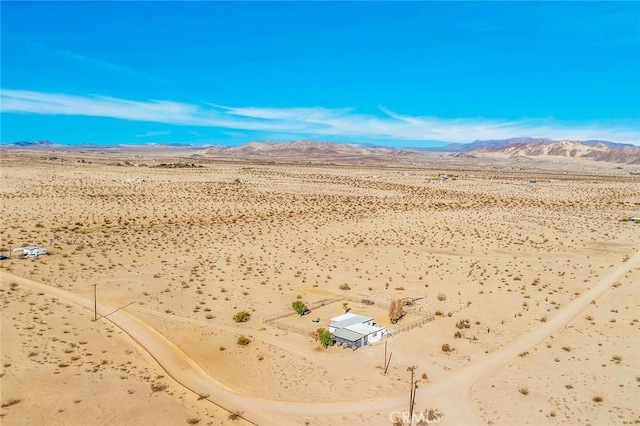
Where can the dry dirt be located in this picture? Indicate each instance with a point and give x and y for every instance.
(183, 250)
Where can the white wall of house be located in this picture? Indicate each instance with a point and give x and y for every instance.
(375, 337)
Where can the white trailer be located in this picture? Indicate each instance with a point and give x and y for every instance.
(31, 251)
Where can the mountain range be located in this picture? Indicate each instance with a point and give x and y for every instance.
(313, 151)
(594, 150)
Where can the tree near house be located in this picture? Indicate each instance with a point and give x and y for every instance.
(299, 307)
(396, 311)
(325, 337)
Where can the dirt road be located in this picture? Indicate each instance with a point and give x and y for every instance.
(452, 393)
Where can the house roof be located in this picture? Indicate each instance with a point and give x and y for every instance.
(349, 335)
(348, 319)
(364, 329)
(343, 317)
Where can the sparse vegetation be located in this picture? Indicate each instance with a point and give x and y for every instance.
(299, 307)
(301, 233)
(235, 415)
(243, 340)
(325, 337)
(158, 387)
(242, 316)
(396, 311)
(179, 165)
(524, 391)
(463, 323)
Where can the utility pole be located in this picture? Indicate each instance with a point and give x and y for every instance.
(413, 400)
(95, 301)
(412, 389)
(389, 362)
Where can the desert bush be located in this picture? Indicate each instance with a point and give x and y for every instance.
(299, 307)
(396, 311)
(242, 316)
(463, 323)
(566, 348)
(439, 313)
(235, 415)
(158, 387)
(523, 390)
(616, 358)
(345, 286)
(446, 347)
(442, 297)
(325, 337)
(193, 421)
(425, 377)
(243, 341)
(179, 165)
(597, 398)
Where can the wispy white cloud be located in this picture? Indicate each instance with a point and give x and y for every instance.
(93, 62)
(153, 134)
(316, 122)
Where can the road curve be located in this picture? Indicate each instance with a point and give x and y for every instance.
(463, 382)
(458, 407)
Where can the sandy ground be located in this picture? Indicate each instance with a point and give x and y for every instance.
(183, 250)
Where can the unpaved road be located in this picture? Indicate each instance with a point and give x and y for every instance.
(453, 394)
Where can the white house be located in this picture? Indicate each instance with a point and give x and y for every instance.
(355, 331)
(31, 251)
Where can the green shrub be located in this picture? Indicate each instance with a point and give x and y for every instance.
(299, 307)
(243, 340)
(242, 316)
(325, 337)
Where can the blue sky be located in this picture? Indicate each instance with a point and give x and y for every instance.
(401, 74)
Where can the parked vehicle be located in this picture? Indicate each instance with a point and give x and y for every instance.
(31, 251)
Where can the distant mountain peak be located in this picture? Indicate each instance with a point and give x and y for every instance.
(28, 143)
(594, 150)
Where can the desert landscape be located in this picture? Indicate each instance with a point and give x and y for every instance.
(530, 258)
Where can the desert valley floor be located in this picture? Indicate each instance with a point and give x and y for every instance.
(546, 274)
